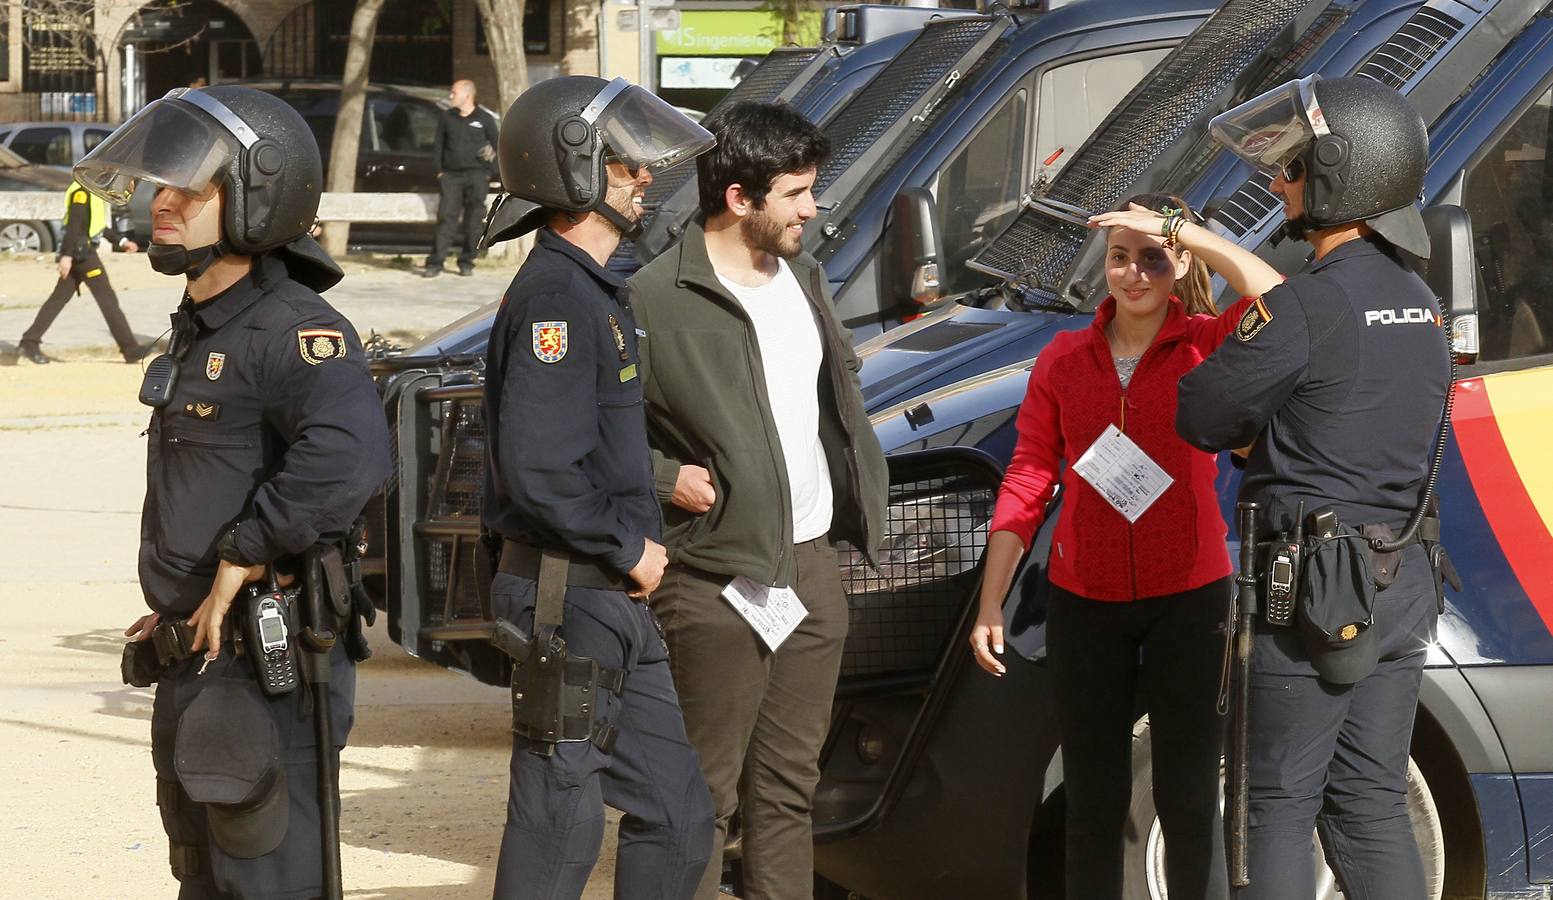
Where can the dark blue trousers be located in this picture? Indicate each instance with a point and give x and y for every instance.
(1333, 758)
(555, 804)
(294, 870)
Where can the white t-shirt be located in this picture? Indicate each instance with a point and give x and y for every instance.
(791, 355)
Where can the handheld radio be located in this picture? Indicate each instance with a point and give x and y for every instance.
(1283, 573)
(267, 627)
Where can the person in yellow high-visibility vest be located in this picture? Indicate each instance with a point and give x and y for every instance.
(87, 218)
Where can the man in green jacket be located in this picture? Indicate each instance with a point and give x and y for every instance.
(763, 458)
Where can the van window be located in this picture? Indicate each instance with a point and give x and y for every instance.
(978, 192)
(1508, 195)
(405, 126)
(44, 146)
(1075, 98)
(91, 137)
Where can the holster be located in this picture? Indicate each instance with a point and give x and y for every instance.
(555, 695)
(336, 599)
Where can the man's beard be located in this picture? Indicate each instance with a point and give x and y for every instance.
(762, 231)
(621, 199)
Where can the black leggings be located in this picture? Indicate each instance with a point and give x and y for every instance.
(1104, 656)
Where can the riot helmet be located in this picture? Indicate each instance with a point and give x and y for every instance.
(253, 146)
(558, 136)
(1363, 148)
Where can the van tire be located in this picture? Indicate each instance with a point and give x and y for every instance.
(1143, 877)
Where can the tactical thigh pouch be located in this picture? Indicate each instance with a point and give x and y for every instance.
(184, 823)
(556, 696)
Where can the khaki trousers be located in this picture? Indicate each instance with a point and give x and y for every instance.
(756, 718)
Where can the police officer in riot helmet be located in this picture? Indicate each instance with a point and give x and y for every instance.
(1336, 380)
(571, 511)
(265, 441)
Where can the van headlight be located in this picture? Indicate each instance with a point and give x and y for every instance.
(928, 538)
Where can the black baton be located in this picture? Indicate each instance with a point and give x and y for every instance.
(1240, 726)
(318, 639)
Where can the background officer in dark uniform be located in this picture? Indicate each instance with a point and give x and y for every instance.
(465, 147)
(87, 219)
(1336, 379)
(268, 441)
(569, 482)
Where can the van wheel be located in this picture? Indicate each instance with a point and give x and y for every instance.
(1144, 877)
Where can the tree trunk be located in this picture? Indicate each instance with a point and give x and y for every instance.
(504, 34)
(341, 176)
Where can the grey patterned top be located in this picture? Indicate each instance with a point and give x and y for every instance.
(1125, 366)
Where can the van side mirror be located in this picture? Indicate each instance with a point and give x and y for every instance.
(910, 256)
(1451, 272)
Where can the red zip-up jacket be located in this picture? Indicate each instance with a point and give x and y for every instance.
(1074, 393)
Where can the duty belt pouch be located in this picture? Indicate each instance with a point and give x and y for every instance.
(1337, 600)
(1383, 566)
(140, 667)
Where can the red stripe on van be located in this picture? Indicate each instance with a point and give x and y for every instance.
(1522, 535)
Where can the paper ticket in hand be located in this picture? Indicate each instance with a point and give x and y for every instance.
(1122, 473)
(772, 612)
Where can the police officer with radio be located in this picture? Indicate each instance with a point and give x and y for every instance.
(570, 504)
(265, 442)
(1337, 380)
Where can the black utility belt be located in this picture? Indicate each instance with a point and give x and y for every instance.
(1325, 558)
(522, 560)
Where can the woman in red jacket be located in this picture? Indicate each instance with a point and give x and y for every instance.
(1139, 569)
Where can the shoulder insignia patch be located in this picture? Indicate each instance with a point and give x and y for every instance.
(550, 341)
(1253, 320)
(215, 364)
(319, 344)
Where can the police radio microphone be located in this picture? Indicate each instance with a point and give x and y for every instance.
(267, 631)
(1283, 573)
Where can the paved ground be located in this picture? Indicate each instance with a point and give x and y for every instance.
(379, 293)
(424, 778)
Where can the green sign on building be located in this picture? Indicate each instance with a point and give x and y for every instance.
(733, 32)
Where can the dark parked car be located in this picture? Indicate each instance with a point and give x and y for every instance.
(398, 133)
(28, 236)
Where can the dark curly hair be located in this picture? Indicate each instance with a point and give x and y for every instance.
(756, 143)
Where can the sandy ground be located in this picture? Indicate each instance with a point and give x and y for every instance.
(424, 778)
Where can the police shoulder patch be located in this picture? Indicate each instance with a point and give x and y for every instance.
(550, 341)
(1253, 320)
(320, 344)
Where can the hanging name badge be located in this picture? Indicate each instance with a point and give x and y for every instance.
(772, 612)
(1122, 473)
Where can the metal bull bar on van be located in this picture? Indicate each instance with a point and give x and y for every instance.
(1139, 143)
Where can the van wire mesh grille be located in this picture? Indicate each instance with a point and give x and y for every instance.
(1152, 117)
(921, 65)
(461, 481)
(901, 615)
(763, 84)
(1394, 64)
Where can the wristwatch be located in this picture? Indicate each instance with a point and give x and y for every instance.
(227, 550)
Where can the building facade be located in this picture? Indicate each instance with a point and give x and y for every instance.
(103, 59)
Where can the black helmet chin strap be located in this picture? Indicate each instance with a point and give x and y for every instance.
(176, 259)
(626, 227)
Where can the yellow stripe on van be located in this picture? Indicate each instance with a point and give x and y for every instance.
(1523, 410)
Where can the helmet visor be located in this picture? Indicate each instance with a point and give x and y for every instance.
(1270, 130)
(642, 130)
(169, 143)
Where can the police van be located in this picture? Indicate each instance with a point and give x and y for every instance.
(938, 781)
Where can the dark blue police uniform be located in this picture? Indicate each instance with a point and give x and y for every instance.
(1338, 376)
(567, 468)
(275, 428)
